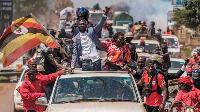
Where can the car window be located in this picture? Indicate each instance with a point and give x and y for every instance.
(172, 42)
(120, 30)
(100, 88)
(148, 46)
(176, 65)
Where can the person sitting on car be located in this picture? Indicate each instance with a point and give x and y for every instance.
(33, 88)
(188, 94)
(118, 53)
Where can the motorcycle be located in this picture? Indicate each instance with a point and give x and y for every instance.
(167, 106)
(186, 108)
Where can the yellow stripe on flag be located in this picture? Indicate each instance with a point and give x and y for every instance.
(22, 20)
(19, 41)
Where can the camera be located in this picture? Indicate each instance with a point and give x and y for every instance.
(147, 90)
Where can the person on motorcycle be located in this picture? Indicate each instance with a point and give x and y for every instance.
(196, 78)
(188, 94)
(155, 88)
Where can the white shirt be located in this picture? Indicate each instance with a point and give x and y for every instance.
(89, 50)
(104, 33)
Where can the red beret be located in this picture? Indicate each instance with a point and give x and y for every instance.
(185, 80)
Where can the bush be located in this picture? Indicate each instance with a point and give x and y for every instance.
(187, 52)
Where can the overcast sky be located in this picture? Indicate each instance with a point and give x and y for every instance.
(148, 10)
(91, 3)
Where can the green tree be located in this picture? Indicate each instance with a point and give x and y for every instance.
(188, 16)
(22, 8)
(96, 7)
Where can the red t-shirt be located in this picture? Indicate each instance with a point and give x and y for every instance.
(188, 98)
(154, 99)
(194, 61)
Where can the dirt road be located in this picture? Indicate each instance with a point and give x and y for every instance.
(6, 97)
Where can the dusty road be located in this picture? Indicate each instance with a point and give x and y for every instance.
(6, 98)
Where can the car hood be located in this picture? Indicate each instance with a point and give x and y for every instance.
(97, 107)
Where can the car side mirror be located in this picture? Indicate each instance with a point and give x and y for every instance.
(41, 101)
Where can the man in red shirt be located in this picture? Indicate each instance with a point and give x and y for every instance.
(188, 94)
(155, 86)
(33, 88)
(194, 59)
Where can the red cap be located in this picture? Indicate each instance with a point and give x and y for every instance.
(189, 70)
(142, 42)
(185, 80)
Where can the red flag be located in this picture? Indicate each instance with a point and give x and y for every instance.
(20, 37)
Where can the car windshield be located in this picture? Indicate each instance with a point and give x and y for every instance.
(172, 42)
(148, 46)
(119, 30)
(94, 89)
(176, 65)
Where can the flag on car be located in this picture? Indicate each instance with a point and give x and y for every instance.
(21, 36)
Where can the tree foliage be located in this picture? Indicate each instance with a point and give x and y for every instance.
(120, 7)
(23, 8)
(188, 16)
(61, 4)
(96, 7)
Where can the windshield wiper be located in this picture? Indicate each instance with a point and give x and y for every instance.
(89, 99)
(115, 99)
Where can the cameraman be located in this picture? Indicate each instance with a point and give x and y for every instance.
(154, 86)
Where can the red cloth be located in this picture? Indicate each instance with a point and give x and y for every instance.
(188, 98)
(30, 91)
(185, 80)
(117, 55)
(154, 99)
(30, 60)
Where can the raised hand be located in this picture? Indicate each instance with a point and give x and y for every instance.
(107, 10)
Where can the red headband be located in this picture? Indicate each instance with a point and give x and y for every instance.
(31, 59)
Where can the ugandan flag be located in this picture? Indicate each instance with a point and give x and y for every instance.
(21, 36)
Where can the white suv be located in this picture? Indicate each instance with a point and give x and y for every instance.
(94, 92)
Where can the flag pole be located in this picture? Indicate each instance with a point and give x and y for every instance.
(50, 36)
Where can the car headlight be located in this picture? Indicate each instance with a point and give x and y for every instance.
(18, 95)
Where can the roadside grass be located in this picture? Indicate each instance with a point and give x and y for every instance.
(2, 78)
(187, 52)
